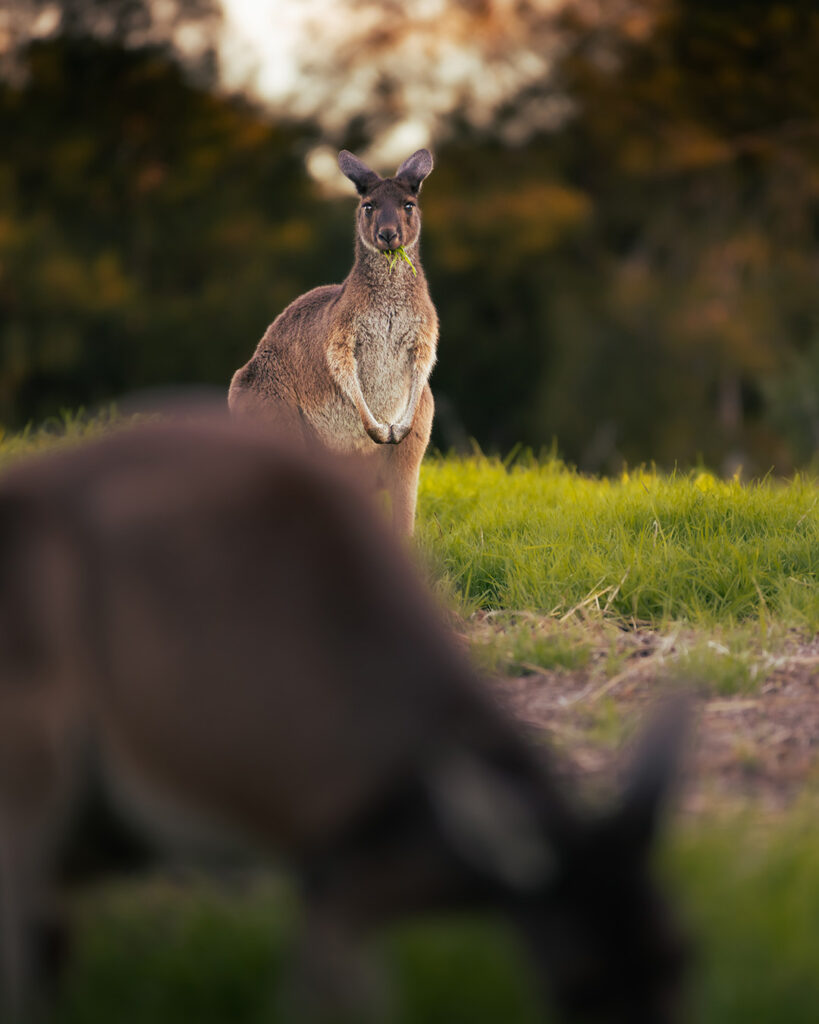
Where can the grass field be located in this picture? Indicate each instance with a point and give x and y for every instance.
(644, 547)
(584, 598)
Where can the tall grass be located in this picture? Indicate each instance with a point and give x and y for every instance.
(644, 546)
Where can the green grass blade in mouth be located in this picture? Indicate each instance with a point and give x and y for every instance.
(394, 255)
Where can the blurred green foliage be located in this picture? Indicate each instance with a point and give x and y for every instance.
(639, 284)
(646, 277)
(148, 229)
(152, 951)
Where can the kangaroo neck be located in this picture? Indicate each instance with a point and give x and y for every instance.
(377, 272)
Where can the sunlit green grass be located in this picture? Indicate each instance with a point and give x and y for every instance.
(644, 546)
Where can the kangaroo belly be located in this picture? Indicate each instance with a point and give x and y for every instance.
(338, 425)
(384, 374)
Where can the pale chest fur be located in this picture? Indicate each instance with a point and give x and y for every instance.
(384, 342)
(384, 337)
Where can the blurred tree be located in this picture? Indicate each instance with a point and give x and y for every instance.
(377, 72)
(148, 229)
(635, 277)
(189, 27)
(701, 155)
(629, 278)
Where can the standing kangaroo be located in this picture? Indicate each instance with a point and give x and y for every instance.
(350, 362)
(207, 626)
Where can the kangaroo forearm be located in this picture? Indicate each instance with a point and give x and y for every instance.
(344, 371)
(416, 389)
(423, 352)
(423, 359)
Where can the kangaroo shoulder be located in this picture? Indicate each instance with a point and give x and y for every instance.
(316, 302)
(304, 314)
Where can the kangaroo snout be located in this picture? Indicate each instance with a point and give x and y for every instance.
(388, 236)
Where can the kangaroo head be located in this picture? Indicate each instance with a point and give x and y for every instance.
(579, 887)
(388, 214)
(604, 933)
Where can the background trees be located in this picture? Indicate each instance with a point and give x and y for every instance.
(621, 231)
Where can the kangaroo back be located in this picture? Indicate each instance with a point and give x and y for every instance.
(249, 653)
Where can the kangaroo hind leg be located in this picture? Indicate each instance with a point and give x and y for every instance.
(30, 939)
(402, 465)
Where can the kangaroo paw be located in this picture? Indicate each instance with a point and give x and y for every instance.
(398, 431)
(380, 434)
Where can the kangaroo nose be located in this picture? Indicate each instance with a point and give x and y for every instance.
(387, 236)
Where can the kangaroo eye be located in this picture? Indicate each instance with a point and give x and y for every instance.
(409, 207)
(367, 207)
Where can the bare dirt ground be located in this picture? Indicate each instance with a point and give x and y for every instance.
(757, 749)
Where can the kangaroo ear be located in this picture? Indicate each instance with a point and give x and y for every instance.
(358, 172)
(652, 775)
(415, 168)
(489, 822)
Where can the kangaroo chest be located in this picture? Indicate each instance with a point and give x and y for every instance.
(384, 343)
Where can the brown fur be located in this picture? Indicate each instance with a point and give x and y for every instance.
(349, 363)
(221, 622)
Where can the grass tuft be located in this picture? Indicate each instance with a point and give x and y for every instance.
(395, 255)
(70, 427)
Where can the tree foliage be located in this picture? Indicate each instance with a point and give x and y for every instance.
(651, 268)
(637, 280)
(148, 229)
(188, 27)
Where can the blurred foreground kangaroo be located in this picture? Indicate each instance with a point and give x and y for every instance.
(349, 362)
(213, 629)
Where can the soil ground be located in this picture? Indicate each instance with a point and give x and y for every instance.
(758, 749)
